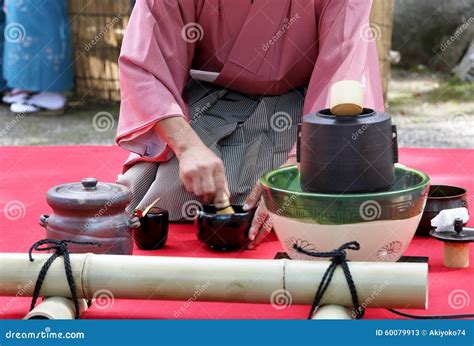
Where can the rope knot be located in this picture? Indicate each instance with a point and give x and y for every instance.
(61, 249)
(338, 257)
(340, 254)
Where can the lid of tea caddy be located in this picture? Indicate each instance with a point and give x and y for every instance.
(367, 117)
(88, 194)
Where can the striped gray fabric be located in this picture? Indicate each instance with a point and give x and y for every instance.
(251, 134)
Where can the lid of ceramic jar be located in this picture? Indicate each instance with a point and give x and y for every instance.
(88, 194)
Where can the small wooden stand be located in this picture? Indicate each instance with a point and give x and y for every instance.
(456, 245)
(456, 255)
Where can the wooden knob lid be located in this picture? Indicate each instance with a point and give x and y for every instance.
(347, 98)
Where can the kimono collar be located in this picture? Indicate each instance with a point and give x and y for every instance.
(264, 20)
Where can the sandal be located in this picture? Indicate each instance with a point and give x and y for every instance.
(45, 103)
(16, 96)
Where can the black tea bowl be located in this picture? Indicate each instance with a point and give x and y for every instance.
(153, 231)
(224, 232)
(440, 197)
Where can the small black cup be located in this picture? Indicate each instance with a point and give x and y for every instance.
(153, 231)
(224, 232)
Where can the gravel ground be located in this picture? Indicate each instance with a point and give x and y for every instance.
(93, 124)
(430, 110)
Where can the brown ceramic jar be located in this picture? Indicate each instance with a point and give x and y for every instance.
(94, 212)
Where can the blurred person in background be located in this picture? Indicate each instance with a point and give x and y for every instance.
(37, 56)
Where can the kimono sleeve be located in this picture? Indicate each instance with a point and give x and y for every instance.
(154, 68)
(347, 50)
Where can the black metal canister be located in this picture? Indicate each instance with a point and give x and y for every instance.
(344, 154)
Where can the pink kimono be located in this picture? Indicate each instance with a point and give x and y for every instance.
(260, 47)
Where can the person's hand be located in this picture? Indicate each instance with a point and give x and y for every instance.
(262, 223)
(201, 171)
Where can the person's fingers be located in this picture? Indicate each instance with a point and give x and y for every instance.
(226, 186)
(208, 186)
(187, 182)
(259, 219)
(220, 179)
(253, 198)
(264, 231)
(197, 185)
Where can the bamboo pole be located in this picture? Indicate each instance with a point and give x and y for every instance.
(381, 18)
(56, 308)
(332, 312)
(385, 285)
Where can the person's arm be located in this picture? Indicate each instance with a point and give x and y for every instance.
(347, 50)
(154, 69)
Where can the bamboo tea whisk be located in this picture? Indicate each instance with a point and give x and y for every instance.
(222, 204)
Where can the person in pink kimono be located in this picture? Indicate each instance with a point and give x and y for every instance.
(212, 92)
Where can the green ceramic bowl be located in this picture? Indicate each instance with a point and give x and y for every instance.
(383, 223)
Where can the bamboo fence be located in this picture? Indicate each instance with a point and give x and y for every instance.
(97, 30)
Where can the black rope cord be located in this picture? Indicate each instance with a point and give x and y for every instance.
(338, 257)
(430, 317)
(61, 249)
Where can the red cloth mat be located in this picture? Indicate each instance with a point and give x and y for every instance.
(28, 172)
